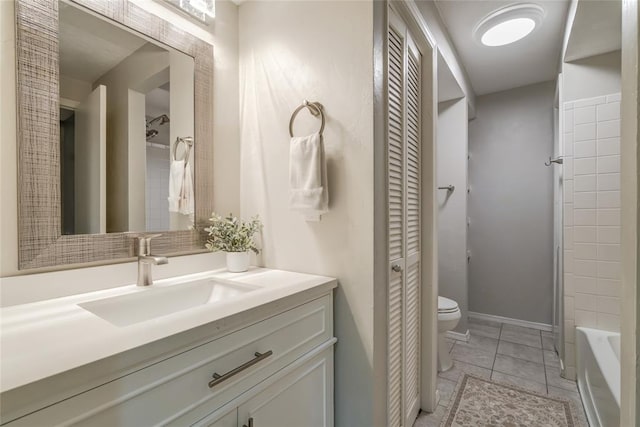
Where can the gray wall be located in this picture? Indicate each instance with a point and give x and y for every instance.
(452, 169)
(511, 204)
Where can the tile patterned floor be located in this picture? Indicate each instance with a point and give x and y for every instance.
(509, 354)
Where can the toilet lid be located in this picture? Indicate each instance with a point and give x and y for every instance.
(446, 305)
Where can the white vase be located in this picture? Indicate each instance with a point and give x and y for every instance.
(237, 262)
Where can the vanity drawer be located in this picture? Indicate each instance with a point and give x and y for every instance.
(178, 387)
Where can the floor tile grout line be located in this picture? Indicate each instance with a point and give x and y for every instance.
(526, 345)
(522, 378)
(520, 358)
(546, 380)
(473, 364)
(495, 356)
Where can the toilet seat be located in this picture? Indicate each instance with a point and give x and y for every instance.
(446, 305)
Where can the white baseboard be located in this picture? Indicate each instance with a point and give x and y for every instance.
(510, 321)
(458, 336)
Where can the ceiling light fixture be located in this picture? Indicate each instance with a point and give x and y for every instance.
(202, 10)
(508, 25)
(508, 32)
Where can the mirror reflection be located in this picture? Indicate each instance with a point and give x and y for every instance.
(126, 128)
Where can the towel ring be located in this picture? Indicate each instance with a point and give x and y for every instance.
(315, 108)
(186, 140)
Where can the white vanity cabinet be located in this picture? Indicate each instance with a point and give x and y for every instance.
(278, 371)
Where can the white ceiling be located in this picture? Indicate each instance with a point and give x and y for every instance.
(532, 59)
(596, 29)
(90, 46)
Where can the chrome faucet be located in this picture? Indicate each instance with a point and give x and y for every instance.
(146, 260)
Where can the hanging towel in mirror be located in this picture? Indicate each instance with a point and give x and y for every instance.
(308, 192)
(181, 188)
(185, 202)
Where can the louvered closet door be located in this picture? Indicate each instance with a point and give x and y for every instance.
(412, 252)
(395, 182)
(403, 179)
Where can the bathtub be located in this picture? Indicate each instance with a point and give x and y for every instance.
(598, 372)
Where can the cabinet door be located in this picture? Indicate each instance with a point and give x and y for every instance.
(303, 398)
(230, 419)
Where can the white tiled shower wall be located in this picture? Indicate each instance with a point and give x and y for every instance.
(591, 179)
(157, 190)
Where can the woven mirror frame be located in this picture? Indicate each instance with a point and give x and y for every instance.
(40, 242)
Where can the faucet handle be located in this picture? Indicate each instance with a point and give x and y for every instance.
(144, 243)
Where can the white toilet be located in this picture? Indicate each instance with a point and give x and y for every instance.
(448, 318)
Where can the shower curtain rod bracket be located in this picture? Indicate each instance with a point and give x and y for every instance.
(558, 160)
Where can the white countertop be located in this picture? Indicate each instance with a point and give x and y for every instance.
(45, 338)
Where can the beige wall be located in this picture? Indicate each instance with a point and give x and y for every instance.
(589, 77)
(74, 90)
(223, 35)
(320, 51)
(136, 160)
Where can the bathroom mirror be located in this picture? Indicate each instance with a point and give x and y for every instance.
(108, 95)
(125, 100)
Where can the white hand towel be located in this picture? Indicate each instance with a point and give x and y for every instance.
(180, 188)
(186, 194)
(176, 176)
(308, 192)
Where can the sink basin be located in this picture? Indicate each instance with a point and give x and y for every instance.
(151, 303)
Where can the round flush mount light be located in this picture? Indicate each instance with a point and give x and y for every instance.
(508, 25)
(508, 32)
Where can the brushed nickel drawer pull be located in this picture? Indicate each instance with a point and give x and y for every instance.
(217, 378)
